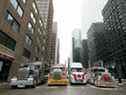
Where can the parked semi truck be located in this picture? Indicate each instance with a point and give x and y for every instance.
(29, 75)
(77, 75)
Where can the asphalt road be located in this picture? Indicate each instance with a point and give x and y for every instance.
(65, 90)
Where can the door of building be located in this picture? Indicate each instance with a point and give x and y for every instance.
(4, 69)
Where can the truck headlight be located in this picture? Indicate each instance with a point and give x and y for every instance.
(30, 79)
(99, 77)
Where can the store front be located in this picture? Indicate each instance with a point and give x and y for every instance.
(5, 64)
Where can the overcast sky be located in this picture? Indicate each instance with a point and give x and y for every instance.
(71, 14)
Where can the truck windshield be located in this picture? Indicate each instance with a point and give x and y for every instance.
(76, 69)
(61, 68)
(25, 71)
(99, 70)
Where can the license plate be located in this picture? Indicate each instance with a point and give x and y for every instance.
(20, 85)
(79, 81)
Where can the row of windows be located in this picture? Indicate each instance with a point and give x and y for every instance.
(35, 7)
(17, 7)
(28, 40)
(30, 28)
(15, 25)
(36, 11)
(7, 41)
(26, 53)
(111, 25)
(33, 17)
(37, 49)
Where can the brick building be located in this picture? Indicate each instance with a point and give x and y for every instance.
(46, 11)
(21, 35)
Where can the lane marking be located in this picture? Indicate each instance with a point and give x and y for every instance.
(102, 88)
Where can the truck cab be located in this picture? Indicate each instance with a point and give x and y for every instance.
(29, 74)
(77, 74)
(58, 75)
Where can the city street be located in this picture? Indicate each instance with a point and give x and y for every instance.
(65, 90)
(47, 43)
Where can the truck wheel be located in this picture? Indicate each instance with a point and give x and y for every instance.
(13, 87)
(34, 84)
(96, 83)
(71, 83)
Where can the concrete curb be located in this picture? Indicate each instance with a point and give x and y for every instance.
(4, 85)
(121, 84)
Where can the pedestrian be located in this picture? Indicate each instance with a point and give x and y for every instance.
(119, 80)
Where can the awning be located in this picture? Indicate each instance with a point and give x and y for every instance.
(7, 56)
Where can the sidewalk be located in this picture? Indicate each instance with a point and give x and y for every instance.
(123, 82)
(3, 84)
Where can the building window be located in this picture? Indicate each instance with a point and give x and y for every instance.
(28, 40)
(14, 3)
(9, 18)
(30, 28)
(35, 8)
(17, 7)
(20, 11)
(7, 41)
(40, 22)
(39, 31)
(14, 24)
(26, 53)
(43, 48)
(33, 17)
(24, 1)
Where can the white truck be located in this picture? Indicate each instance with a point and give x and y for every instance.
(77, 74)
(29, 75)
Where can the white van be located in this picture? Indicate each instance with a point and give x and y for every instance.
(77, 74)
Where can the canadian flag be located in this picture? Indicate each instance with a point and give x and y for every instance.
(79, 77)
